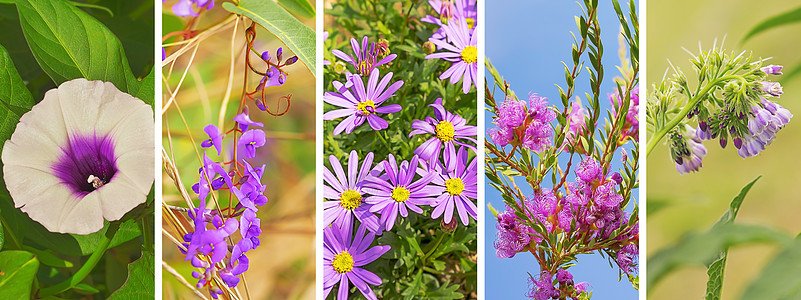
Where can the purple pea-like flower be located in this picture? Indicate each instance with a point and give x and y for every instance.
(343, 257)
(346, 192)
(395, 192)
(215, 138)
(366, 58)
(184, 8)
(244, 122)
(460, 189)
(250, 140)
(448, 130)
(81, 155)
(461, 50)
(361, 103)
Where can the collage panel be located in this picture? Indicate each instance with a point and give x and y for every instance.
(76, 203)
(400, 160)
(562, 157)
(238, 150)
(723, 180)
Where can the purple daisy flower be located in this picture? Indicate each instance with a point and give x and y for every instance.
(346, 193)
(360, 103)
(462, 51)
(325, 37)
(450, 10)
(460, 187)
(394, 192)
(366, 59)
(81, 155)
(343, 256)
(446, 129)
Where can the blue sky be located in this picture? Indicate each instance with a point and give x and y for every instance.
(526, 41)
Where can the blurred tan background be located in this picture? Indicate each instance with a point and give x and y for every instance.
(283, 266)
(694, 202)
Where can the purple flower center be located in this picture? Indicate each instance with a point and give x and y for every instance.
(86, 163)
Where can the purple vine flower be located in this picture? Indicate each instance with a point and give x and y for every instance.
(186, 8)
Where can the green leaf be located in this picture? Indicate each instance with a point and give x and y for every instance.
(48, 259)
(141, 281)
(781, 278)
(15, 98)
(445, 292)
(716, 270)
(146, 88)
(294, 34)
(70, 44)
(300, 7)
(785, 18)
(71, 244)
(703, 248)
(18, 271)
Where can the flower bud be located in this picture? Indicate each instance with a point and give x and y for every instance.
(339, 67)
(265, 55)
(291, 60)
(280, 53)
(382, 48)
(448, 227)
(429, 47)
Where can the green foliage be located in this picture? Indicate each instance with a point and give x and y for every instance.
(18, 271)
(53, 41)
(785, 18)
(716, 269)
(74, 44)
(781, 277)
(299, 7)
(294, 34)
(140, 283)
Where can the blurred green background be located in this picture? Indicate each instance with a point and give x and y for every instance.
(282, 267)
(678, 203)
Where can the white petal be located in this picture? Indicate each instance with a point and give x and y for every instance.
(26, 185)
(82, 216)
(137, 168)
(129, 121)
(118, 197)
(80, 102)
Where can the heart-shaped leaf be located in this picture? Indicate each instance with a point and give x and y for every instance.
(17, 270)
(140, 283)
(15, 99)
(70, 44)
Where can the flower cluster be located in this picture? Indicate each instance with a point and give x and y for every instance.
(632, 124)
(446, 182)
(527, 127)
(456, 36)
(546, 287)
(210, 246)
(744, 115)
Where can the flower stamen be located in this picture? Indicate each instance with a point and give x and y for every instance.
(470, 54)
(454, 186)
(444, 131)
(95, 181)
(350, 199)
(343, 262)
(366, 107)
(400, 194)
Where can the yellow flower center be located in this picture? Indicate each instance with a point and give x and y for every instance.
(400, 194)
(363, 107)
(343, 262)
(350, 199)
(470, 54)
(471, 22)
(364, 68)
(454, 186)
(444, 131)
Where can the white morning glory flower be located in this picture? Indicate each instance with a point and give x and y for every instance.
(84, 153)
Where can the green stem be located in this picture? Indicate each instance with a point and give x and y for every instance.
(430, 252)
(86, 268)
(683, 113)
